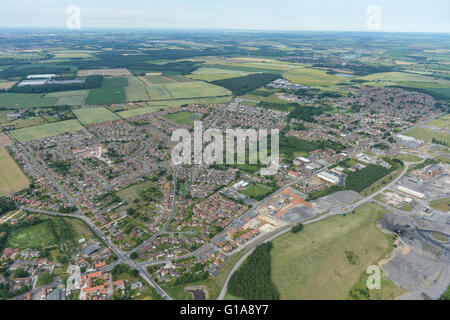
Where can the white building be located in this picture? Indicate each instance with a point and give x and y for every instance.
(411, 192)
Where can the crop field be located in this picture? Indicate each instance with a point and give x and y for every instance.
(158, 92)
(12, 178)
(213, 74)
(70, 98)
(94, 115)
(139, 111)
(150, 80)
(46, 130)
(5, 85)
(195, 89)
(183, 117)
(397, 77)
(119, 82)
(104, 72)
(21, 100)
(180, 102)
(136, 90)
(313, 77)
(106, 96)
(428, 134)
(313, 264)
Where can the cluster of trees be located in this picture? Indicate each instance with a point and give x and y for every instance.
(243, 85)
(361, 179)
(252, 280)
(437, 141)
(91, 82)
(305, 113)
(290, 145)
(191, 277)
(297, 228)
(23, 71)
(60, 230)
(151, 193)
(6, 205)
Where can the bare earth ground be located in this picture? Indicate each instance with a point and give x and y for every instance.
(5, 140)
(105, 72)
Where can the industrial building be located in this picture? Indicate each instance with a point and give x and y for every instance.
(411, 192)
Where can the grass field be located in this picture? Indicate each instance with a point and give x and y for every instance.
(22, 100)
(442, 122)
(441, 205)
(46, 130)
(408, 157)
(36, 236)
(312, 77)
(12, 178)
(183, 117)
(428, 134)
(111, 83)
(180, 102)
(139, 111)
(195, 89)
(257, 191)
(94, 115)
(106, 96)
(313, 263)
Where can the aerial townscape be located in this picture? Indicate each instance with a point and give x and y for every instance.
(93, 207)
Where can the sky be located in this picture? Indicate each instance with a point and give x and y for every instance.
(292, 15)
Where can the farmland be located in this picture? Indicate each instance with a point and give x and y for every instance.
(70, 98)
(21, 100)
(195, 89)
(106, 96)
(313, 77)
(158, 92)
(214, 74)
(11, 177)
(94, 115)
(46, 130)
(312, 264)
(139, 111)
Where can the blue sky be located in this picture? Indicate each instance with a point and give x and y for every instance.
(339, 15)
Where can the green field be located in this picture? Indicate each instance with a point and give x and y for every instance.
(441, 205)
(214, 74)
(428, 134)
(106, 96)
(46, 130)
(70, 98)
(136, 90)
(139, 111)
(442, 122)
(112, 83)
(94, 115)
(36, 236)
(195, 89)
(158, 92)
(183, 118)
(257, 191)
(313, 77)
(408, 157)
(22, 100)
(313, 263)
(180, 102)
(12, 178)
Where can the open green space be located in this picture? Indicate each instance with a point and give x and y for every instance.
(106, 96)
(428, 134)
(194, 89)
(441, 205)
(313, 77)
(257, 191)
(184, 118)
(94, 115)
(23, 100)
(46, 130)
(313, 263)
(140, 111)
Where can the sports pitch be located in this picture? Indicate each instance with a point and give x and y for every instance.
(94, 115)
(46, 130)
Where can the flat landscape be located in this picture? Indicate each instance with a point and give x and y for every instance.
(94, 115)
(312, 264)
(12, 178)
(46, 130)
